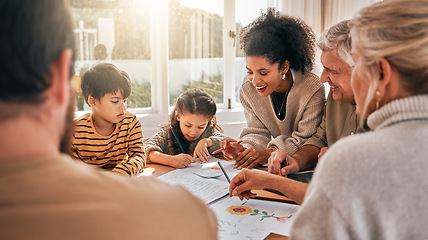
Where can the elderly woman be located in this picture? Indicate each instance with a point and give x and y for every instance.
(374, 185)
(282, 99)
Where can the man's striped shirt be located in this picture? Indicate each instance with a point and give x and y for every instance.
(122, 151)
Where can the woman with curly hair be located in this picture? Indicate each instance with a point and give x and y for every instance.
(283, 99)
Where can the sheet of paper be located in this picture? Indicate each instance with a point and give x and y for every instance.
(228, 168)
(212, 169)
(206, 189)
(209, 170)
(233, 231)
(236, 217)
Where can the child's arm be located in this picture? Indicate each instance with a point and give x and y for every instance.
(157, 151)
(201, 149)
(209, 144)
(136, 153)
(181, 160)
(216, 137)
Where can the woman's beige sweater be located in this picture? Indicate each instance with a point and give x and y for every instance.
(304, 107)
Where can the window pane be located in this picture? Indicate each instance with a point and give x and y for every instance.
(115, 32)
(246, 11)
(195, 47)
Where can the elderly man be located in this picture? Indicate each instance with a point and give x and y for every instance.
(339, 120)
(43, 193)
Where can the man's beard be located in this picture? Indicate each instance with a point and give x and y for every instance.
(65, 146)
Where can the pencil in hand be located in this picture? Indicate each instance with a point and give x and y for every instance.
(222, 149)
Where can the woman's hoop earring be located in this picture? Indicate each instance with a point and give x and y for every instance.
(283, 76)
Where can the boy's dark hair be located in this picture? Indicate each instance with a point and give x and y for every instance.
(105, 78)
(33, 35)
(278, 38)
(193, 101)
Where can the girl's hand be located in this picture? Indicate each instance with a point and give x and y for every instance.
(181, 160)
(234, 150)
(250, 157)
(201, 150)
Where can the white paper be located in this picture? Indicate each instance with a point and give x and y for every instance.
(206, 189)
(209, 170)
(248, 218)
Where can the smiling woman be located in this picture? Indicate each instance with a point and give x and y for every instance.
(282, 99)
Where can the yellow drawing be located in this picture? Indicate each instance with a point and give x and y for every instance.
(239, 210)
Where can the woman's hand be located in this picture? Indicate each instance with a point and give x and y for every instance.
(201, 150)
(247, 180)
(250, 157)
(234, 150)
(181, 160)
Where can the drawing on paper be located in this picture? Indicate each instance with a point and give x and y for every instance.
(244, 210)
(239, 210)
(215, 167)
(228, 230)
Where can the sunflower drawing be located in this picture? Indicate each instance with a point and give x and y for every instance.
(239, 210)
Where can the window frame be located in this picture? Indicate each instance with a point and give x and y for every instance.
(158, 113)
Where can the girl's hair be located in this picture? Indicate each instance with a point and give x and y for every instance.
(279, 38)
(396, 30)
(337, 38)
(193, 101)
(105, 78)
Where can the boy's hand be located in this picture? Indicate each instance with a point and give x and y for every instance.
(181, 160)
(201, 150)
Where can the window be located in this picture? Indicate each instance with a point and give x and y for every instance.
(246, 12)
(167, 46)
(195, 47)
(117, 32)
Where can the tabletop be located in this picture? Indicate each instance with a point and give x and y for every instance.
(156, 170)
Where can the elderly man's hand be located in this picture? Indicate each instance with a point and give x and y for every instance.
(282, 164)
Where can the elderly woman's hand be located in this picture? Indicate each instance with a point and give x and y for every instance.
(247, 180)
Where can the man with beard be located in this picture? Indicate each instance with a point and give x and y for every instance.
(44, 194)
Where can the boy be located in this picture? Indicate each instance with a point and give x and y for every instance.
(109, 137)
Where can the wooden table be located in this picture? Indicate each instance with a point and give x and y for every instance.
(157, 170)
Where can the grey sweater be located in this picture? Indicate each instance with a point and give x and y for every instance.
(303, 115)
(373, 185)
(160, 142)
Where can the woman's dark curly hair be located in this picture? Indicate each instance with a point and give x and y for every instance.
(278, 38)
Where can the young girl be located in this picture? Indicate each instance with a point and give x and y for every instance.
(191, 132)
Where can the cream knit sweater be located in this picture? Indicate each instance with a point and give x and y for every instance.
(372, 185)
(304, 106)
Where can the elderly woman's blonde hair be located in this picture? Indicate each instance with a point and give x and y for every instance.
(396, 30)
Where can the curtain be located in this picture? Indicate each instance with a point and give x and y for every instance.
(322, 14)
